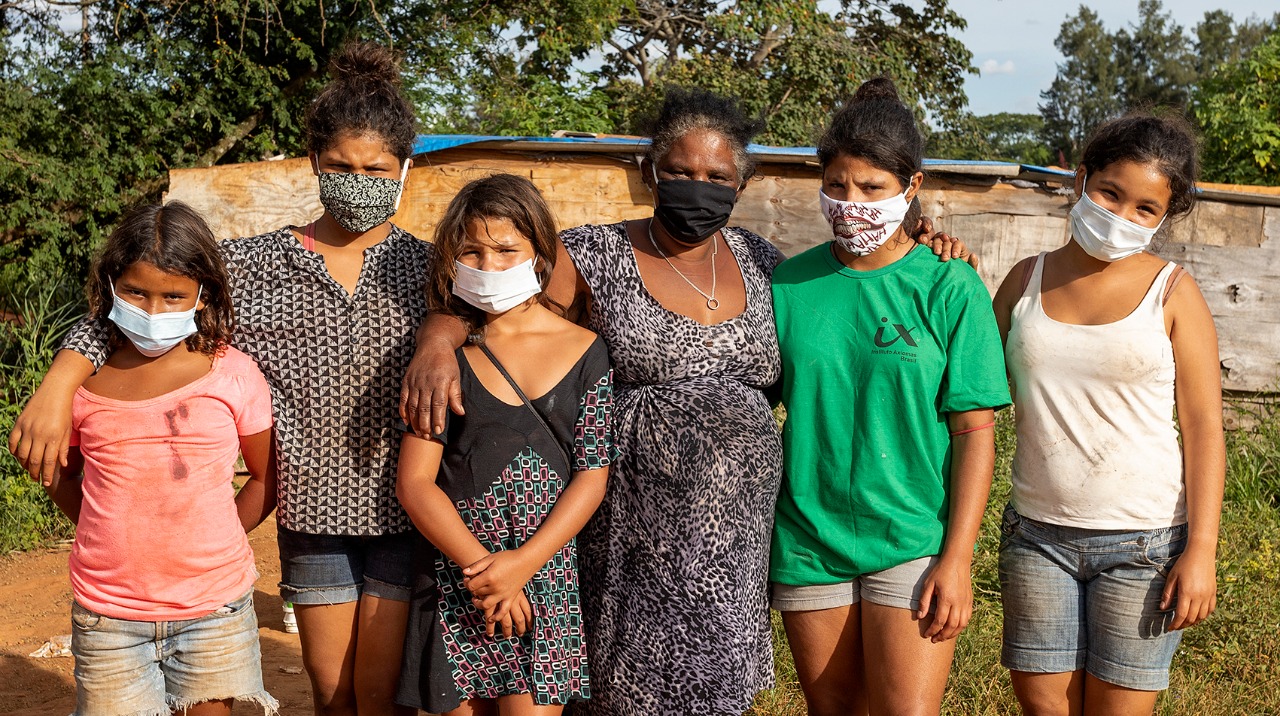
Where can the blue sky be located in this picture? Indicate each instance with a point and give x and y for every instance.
(1012, 41)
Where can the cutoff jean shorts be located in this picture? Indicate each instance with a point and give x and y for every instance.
(337, 569)
(1088, 599)
(153, 668)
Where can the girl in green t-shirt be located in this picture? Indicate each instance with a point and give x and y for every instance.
(892, 370)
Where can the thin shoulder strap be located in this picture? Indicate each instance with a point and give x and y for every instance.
(1172, 283)
(1026, 275)
(523, 398)
(309, 236)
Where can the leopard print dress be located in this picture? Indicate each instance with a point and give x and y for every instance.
(674, 565)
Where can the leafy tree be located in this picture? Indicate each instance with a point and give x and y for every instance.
(97, 106)
(92, 119)
(1155, 59)
(1005, 136)
(1155, 62)
(1086, 90)
(792, 62)
(1238, 110)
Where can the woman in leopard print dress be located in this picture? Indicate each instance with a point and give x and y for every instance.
(673, 567)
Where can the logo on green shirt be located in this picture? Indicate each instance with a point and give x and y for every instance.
(904, 334)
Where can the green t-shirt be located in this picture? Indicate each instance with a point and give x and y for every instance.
(872, 363)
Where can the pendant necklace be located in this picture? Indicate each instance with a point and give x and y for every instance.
(712, 302)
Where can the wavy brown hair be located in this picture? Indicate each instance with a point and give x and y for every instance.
(174, 238)
(499, 196)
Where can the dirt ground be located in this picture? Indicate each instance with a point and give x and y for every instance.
(35, 605)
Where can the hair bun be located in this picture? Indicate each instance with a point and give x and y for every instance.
(876, 88)
(365, 62)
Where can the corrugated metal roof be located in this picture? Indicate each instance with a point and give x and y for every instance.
(427, 143)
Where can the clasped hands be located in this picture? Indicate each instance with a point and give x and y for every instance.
(496, 583)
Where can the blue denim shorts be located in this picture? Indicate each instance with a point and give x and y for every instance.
(1088, 599)
(336, 569)
(152, 668)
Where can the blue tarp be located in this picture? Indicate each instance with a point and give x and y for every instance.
(427, 143)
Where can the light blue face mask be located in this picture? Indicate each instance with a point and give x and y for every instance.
(152, 334)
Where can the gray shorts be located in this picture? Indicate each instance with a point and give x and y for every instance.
(898, 586)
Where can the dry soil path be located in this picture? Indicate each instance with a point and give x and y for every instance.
(35, 605)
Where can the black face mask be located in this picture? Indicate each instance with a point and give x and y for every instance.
(690, 210)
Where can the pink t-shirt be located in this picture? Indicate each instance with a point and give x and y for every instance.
(159, 538)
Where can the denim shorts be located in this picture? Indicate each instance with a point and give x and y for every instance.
(151, 668)
(898, 586)
(1088, 599)
(336, 569)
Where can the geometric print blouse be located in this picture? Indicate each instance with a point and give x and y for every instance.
(334, 362)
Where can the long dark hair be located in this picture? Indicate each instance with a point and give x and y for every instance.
(876, 126)
(175, 239)
(1165, 139)
(499, 196)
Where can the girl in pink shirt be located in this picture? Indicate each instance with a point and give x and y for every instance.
(161, 568)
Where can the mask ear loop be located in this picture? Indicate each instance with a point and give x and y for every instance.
(403, 173)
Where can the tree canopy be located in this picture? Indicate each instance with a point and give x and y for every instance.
(1156, 62)
(100, 98)
(1238, 110)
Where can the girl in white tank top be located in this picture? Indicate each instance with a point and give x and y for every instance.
(1109, 544)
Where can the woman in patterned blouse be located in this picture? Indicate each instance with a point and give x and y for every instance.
(328, 311)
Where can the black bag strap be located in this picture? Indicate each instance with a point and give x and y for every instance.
(541, 421)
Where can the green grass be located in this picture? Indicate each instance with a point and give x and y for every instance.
(1230, 664)
(32, 324)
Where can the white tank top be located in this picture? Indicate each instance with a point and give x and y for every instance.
(1097, 444)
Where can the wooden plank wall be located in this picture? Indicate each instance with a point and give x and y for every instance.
(1233, 250)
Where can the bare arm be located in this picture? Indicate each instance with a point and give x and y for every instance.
(499, 574)
(1011, 289)
(437, 519)
(40, 434)
(431, 387)
(948, 587)
(1192, 584)
(257, 497)
(67, 491)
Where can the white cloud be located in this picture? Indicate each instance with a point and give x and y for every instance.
(992, 67)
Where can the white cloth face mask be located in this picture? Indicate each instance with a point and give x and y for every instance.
(861, 227)
(496, 291)
(1105, 236)
(153, 334)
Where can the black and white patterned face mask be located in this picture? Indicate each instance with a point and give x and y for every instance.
(360, 202)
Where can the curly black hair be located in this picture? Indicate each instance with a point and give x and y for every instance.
(1164, 138)
(688, 108)
(364, 96)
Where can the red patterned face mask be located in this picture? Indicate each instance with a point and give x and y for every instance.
(862, 227)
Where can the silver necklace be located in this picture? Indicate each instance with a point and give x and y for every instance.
(712, 302)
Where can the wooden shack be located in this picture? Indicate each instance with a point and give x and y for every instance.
(1230, 243)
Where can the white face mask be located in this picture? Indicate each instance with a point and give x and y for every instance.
(496, 291)
(152, 334)
(862, 227)
(1104, 235)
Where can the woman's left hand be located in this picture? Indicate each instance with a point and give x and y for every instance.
(1191, 589)
(496, 578)
(944, 245)
(949, 592)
